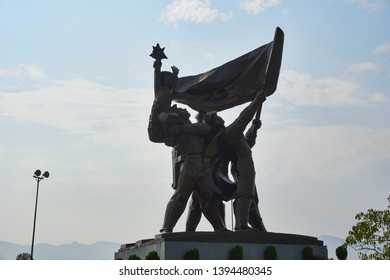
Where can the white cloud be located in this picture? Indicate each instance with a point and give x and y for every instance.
(23, 71)
(79, 106)
(303, 89)
(197, 11)
(368, 5)
(364, 67)
(257, 6)
(323, 153)
(382, 49)
(379, 97)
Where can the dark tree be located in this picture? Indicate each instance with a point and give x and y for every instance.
(23, 256)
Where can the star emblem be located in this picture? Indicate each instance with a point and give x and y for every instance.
(158, 53)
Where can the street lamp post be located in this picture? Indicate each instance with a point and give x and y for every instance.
(38, 178)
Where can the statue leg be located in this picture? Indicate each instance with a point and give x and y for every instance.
(245, 192)
(212, 206)
(241, 206)
(177, 203)
(194, 213)
(255, 219)
(212, 212)
(221, 207)
(173, 212)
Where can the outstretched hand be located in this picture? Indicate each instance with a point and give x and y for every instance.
(175, 70)
(262, 94)
(256, 124)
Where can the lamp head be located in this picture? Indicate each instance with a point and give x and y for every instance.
(46, 174)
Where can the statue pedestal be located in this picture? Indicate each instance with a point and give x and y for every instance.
(217, 246)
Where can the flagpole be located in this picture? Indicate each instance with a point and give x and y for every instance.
(231, 211)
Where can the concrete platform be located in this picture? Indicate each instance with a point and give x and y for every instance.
(217, 246)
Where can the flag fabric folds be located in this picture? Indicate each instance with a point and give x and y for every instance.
(235, 82)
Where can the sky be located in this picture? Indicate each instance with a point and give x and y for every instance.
(76, 89)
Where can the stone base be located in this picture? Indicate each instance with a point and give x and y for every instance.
(217, 246)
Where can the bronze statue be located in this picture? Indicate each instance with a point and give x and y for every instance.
(202, 150)
(161, 114)
(193, 175)
(171, 125)
(229, 144)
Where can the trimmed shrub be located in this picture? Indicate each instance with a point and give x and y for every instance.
(307, 253)
(237, 253)
(133, 257)
(342, 252)
(152, 256)
(192, 254)
(270, 253)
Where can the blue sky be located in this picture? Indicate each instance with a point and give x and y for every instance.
(76, 87)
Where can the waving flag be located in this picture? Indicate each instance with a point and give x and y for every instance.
(235, 82)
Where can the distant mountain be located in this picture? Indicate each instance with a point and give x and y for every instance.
(332, 243)
(73, 251)
(106, 250)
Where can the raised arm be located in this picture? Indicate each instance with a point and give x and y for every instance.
(251, 134)
(158, 54)
(236, 129)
